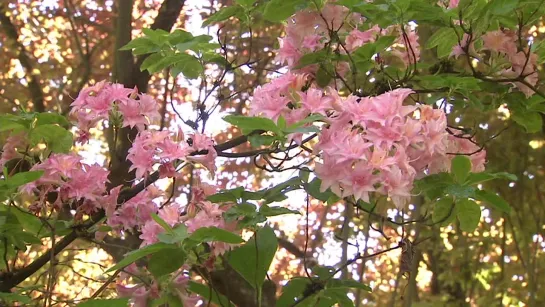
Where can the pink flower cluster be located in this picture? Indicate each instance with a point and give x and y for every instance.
(309, 30)
(199, 213)
(140, 293)
(368, 144)
(72, 180)
(504, 44)
(151, 147)
(104, 99)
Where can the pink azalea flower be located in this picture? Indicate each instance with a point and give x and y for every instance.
(312, 42)
(359, 183)
(314, 101)
(500, 42)
(358, 38)
(170, 214)
(150, 230)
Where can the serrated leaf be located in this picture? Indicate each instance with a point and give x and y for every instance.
(468, 213)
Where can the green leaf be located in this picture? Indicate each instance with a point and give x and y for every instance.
(208, 294)
(15, 297)
(501, 7)
(140, 253)
(11, 122)
(444, 39)
(250, 124)
(274, 211)
(187, 65)
(531, 121)
(475, 178)
(116, 302)
(141, 45)
(209, 234)
(20, 179)
(468, 213)
(492, 199)
(166, 261)
(313, 188)
(460, 191)
(245, 3)
(258, 140)
(461, 167)
(444, 211)
(51, 118)
(178, 234)
(280, 10)
(57, 138)
(30, 222)
(161, 222)
(223, 14)
(348, 283)
(292, 290)
(252, 260)
(312, 58)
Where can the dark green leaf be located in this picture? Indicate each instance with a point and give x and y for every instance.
(531, 121)
(443, 211)
(280, 10)
(468, 213)
(460, 191)
(245, 3)
(140, 253)
(311, 58)
(252, 260)
(292, 290)
(501, 7)
(209, 234)
(166, 261)
(208, 294)
(274, 211)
